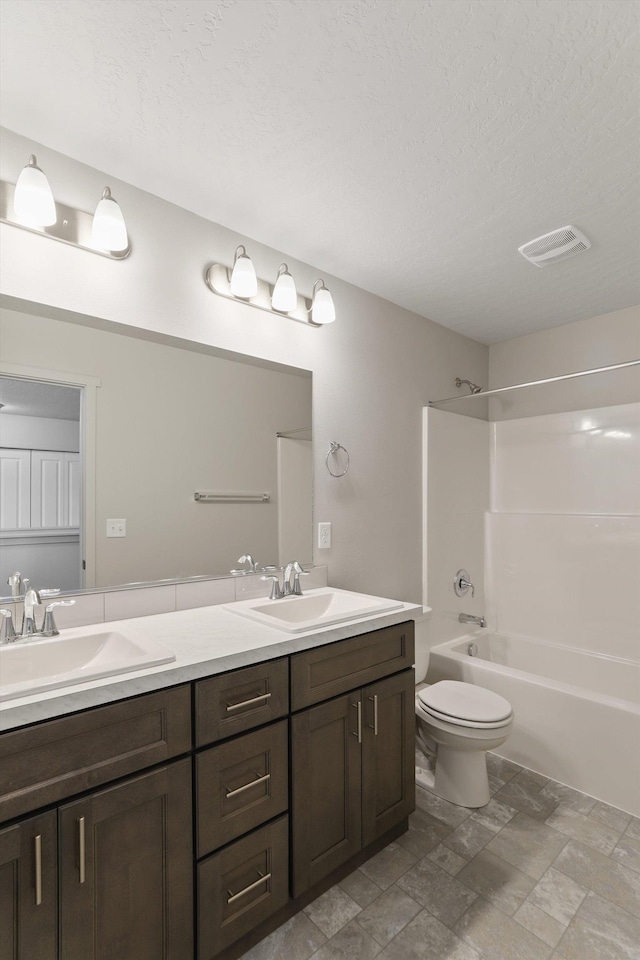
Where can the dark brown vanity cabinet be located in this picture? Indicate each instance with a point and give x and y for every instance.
(352, 755)
(109, 874)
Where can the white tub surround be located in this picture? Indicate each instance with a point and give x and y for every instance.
(206, 641)
(576, 713)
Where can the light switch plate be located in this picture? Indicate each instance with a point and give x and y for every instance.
(116, 528)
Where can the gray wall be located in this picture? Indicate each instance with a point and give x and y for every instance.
(374, 369)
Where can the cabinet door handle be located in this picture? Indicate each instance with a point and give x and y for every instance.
(247, 703)
(247, 786)
(37, 853)
(374, 726)
(358, 706)
(81, 850)
(264, 878)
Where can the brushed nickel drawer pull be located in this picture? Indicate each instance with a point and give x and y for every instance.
(81, 851)
(247, 703)
(264, 877)
(247, 786)
(358, 706)
(374, 726)
(37, 851)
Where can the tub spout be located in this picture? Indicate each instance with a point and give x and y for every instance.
(469, 618)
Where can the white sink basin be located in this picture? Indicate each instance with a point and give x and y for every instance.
(37, 665)
(318, 608)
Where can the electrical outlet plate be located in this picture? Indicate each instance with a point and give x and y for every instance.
(324, 535)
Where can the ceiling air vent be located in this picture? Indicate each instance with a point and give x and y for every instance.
(552, 247)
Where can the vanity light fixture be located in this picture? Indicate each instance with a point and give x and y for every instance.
(30, 206)
(244, 283)
(33, 201)
(282, 298)
(285, 296)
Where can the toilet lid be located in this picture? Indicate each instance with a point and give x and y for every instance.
(465, 701)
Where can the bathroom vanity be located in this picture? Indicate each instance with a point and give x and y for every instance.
(189, 820)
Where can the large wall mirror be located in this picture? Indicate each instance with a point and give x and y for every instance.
(108, 433)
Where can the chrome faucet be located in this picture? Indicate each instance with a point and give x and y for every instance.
(288, 588)
(31, 601)
(248, 559)
(15, 582)
(470, 618)
(29, 629)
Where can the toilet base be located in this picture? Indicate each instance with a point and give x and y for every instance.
(461, 777)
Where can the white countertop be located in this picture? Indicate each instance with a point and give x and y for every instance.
(206, 641)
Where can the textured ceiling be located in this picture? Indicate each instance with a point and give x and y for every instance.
(32, 398)
(409, 147)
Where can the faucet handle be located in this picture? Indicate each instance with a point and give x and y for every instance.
(15, 582)
(7, 629)
(298, 572)
(49, 628)
(276, 592)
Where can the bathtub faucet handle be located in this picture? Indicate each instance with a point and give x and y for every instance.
(462, 583)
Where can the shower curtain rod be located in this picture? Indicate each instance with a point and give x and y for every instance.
(287, 433)
(535, 383)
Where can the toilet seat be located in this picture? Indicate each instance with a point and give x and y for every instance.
(465, 705)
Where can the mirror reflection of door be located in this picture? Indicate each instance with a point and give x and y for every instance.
(41, 483)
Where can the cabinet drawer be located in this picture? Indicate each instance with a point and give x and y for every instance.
(237, 701)
(54, 760)
(334, 669)
(241, 784)
(241, 886)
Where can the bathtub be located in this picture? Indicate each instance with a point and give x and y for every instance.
(577, 714)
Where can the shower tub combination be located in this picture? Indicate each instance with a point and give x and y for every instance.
(577, 714)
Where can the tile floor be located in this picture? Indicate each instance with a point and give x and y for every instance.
(541, 873)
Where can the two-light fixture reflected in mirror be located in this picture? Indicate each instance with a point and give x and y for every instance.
(34, 208)
(241, 283)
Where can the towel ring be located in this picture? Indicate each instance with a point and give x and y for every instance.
(334, 449)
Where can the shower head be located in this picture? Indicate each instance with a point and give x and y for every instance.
(472, 386)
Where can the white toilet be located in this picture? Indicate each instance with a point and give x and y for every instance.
(459, 722)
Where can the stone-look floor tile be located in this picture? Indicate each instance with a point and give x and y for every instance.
(385, 868)
(495, 935)
(360, 888)
(424, 834)
(601, 931)
(447, 859)
(297, 939)
(539, 923)
(494, 815)
(633, 830)
(601, 874)
(531, 781)
(495, 784)
(558, 895)
(442, 810)
(627, 852)
(426, 938)
(532, 803)
(610, 816)
(584, 829)
(498, 881)
(501, 768)
(351, 943)
(443, 895)
(468, 839)
(568, 797)
(387, 915)
(332, 911)
(527, 844)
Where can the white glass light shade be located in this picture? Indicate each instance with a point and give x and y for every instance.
(285, 296)
(33, 201)
(322, 308)
(244, 282)
(109, 231)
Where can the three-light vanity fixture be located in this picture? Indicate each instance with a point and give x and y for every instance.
(241, 283)
(34, 208)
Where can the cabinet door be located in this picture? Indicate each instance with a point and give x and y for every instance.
(126, 870)
(326, 797)
(15, 489)
(388, 774)
(29, 890)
